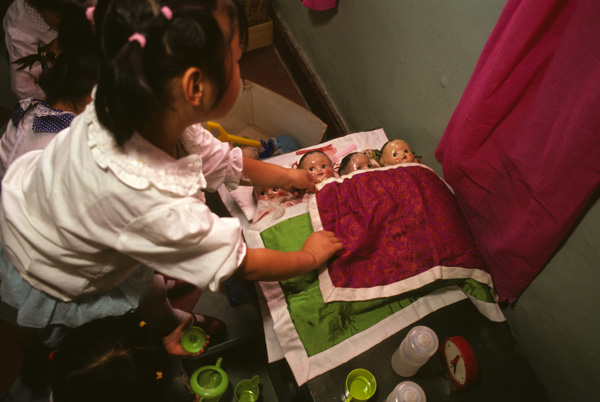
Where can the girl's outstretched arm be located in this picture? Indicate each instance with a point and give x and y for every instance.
(264, 174)
(272, 265)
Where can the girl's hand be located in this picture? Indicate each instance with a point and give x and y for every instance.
(299, 181)
(322, 245)
(173, 341)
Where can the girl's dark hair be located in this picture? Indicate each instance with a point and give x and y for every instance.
(54, 5)
(69, 75)
(134, 80)
(76, 70)
(111, 359)
(345, 161)
(309, 153)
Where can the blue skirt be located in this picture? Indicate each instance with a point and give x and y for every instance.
(37, 309)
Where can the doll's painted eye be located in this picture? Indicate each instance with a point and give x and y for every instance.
(323, 166)
(263, 193)
(311, 169)
(359, 168)
(394, 153)
(275, 189)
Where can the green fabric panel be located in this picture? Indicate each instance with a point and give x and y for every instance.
(323, 325)
(288, 235)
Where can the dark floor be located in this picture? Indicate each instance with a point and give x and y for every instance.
(262, 66)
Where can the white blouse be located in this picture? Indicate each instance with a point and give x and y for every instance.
(80, 216)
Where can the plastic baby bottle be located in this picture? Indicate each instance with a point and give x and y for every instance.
(407, 391)
(414, 351)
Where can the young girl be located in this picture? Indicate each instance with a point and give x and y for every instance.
(67, 81)
(86, 222)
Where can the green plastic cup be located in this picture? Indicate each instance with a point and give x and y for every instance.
(360, 385)
(193, 339)
(247, 390)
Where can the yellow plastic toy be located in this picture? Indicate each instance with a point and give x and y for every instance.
(226, 137)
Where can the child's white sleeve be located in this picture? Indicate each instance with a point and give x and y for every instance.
(187, 241)
(220, 163)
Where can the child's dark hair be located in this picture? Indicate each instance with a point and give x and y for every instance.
(54, 5)
(70, 74)
(111, 359)
(76, 69)
(345, 161)
(134, 80)
(310, 153)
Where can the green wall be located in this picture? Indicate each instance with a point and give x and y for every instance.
(403, 65)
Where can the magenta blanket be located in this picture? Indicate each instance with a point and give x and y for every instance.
(521, 149)
(401, 227)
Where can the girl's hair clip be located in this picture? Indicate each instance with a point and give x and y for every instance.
(166, 11)
(139, 38)
(142, 324)
(89, 13)
(51, 356)
(159, 375)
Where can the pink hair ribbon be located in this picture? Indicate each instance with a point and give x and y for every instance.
(166, 11)
(139, 38)
(89, 13)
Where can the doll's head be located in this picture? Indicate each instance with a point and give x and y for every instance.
(269, 193)
(355, 161)
(395, 152)
(318, 164)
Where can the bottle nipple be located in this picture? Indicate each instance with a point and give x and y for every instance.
(410, 395)
(424, 339)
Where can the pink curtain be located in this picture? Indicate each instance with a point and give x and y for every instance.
(522, 149)
(319, 4)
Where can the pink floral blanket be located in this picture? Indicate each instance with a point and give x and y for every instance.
(401, 228)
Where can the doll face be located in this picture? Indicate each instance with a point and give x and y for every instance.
(269, 193)
(358, 161)
(395, 153)
(319, 167)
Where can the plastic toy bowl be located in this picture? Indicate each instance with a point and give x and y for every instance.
(193, 339)
(210, 382)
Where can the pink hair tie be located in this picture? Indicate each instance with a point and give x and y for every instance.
(166, 11)
(139, 38)
(89, 13)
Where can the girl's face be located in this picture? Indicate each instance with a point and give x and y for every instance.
(395, 153)
(233, 89)
(319, 167)
(269, 193)
(358, 161)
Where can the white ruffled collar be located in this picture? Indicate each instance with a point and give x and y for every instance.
(139, 164)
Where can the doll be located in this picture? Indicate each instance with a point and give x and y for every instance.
(272, 201)
(318, 164)
(355, 161)
(395, 152)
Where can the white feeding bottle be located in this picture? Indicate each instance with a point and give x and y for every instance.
(414, 351)
(407, 391)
